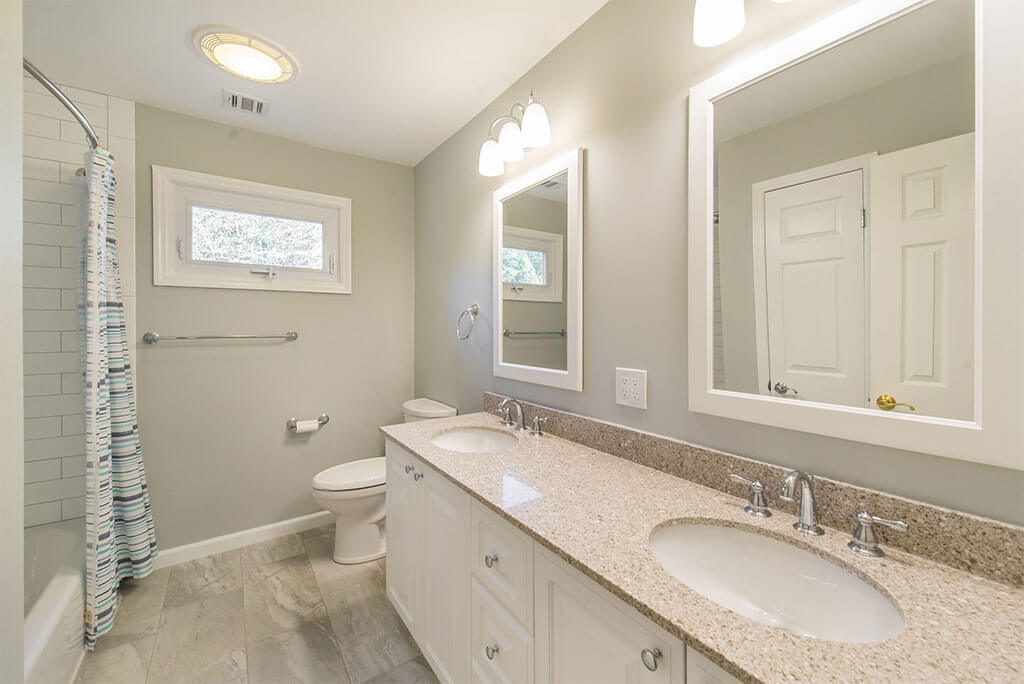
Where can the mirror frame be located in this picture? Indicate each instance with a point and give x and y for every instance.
(994, 436)
(571, 378)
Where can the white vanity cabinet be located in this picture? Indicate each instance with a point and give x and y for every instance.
(586, 635)
(428, 542)
(487, 604)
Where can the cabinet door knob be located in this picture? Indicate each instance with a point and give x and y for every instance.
(417, 476)
(490, 559)
(650, 658)
(491, 651)
(408, 469)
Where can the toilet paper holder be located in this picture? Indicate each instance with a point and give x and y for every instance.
(323, 419)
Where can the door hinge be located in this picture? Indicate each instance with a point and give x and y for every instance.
(863, 218)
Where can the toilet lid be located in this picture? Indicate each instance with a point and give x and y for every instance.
(368, 472)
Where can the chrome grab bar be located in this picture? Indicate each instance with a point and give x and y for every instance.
(153, 338)
(515, 333)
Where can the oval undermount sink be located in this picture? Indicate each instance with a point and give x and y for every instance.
(474, 439)
(775, 583)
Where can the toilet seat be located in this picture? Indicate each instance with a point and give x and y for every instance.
(361, 474)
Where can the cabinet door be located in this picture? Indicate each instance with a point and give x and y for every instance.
(700, 670)
(444, 576)
(404, 533)
(585, 635)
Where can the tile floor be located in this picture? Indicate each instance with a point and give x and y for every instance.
(279, 611)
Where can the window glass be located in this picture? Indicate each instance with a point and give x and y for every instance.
(235, 237)
(523, 266)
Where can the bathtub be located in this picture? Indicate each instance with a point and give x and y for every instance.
(54, 601)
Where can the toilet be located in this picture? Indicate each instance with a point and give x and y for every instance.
(354, 493)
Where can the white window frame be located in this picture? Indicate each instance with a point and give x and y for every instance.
(176, 191)
(551, 244)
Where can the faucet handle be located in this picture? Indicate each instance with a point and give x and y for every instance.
(506, 412)
(536, 431)
(864, 540)
(757, 504)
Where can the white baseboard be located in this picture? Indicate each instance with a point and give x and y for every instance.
(227, 542)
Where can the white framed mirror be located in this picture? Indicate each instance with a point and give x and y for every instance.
(538, 275)
(837, 275)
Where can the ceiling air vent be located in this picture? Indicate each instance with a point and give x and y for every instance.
(245, 104)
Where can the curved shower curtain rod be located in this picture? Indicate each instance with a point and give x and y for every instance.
(94, 141)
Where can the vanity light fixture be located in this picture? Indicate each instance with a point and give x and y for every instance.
(244, 54)
(521, 129)
(717, 21)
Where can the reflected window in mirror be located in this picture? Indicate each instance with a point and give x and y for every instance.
(843, 245)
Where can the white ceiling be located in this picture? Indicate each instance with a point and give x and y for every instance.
(389, 79)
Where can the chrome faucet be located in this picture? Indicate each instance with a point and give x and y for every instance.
(808, 523)
(507, 412)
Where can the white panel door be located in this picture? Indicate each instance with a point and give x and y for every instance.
(584, 637)
(444, 577)
(814, 272)
(404, 533)
(922, 277)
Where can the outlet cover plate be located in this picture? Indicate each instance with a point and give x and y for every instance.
(631, 387)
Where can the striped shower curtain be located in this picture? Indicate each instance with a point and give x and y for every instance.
(119, 536)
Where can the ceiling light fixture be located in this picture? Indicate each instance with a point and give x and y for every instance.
(523, 128)
(717, 21)
(245, 55)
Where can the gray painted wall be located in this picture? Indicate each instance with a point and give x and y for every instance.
(12, 425)
(212, 415)
(931, 104)
(618, 87)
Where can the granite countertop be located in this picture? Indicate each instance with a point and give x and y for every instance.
(597, 511)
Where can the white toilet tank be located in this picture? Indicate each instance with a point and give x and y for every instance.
(426, 409)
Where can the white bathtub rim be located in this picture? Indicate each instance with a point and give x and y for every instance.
(46, 616)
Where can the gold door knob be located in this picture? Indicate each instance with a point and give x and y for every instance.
(887, 402)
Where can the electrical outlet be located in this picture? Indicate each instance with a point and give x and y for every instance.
(631, 387)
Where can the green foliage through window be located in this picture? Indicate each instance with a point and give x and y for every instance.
(235, 237)
(523, 266)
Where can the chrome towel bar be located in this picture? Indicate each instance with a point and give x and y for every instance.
(515, 333)
(153, 338)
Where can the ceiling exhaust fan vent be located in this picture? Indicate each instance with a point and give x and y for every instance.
(245, 104)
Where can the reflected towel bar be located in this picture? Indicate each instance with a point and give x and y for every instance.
(515, 333)
(153, 338)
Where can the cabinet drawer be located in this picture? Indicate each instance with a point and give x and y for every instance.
(502, 557)
(493, 627)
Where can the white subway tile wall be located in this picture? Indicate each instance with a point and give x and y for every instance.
(55, 148)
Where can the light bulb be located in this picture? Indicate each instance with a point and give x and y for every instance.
(490, 159)
(510, 142)
(536, 128)
(717, 21)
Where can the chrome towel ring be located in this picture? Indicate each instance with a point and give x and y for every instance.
(472, 312)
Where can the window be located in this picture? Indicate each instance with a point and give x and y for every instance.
(212, 231)
(531, 265)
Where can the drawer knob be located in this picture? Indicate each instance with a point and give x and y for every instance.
(417, 476)
(491, 651)
(408, 469)
(490, 559)
(650, 657)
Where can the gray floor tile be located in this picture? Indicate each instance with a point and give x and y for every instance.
(281, 596)
(333, 576)
(204, 577)
(323, 530)
(373, 655)
(202, 641)
(416, 671)
(117, 660)
(306, 654)
(361, 610)
(272, 550)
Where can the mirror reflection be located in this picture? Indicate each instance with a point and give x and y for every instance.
(533, 268)
(844, 223)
